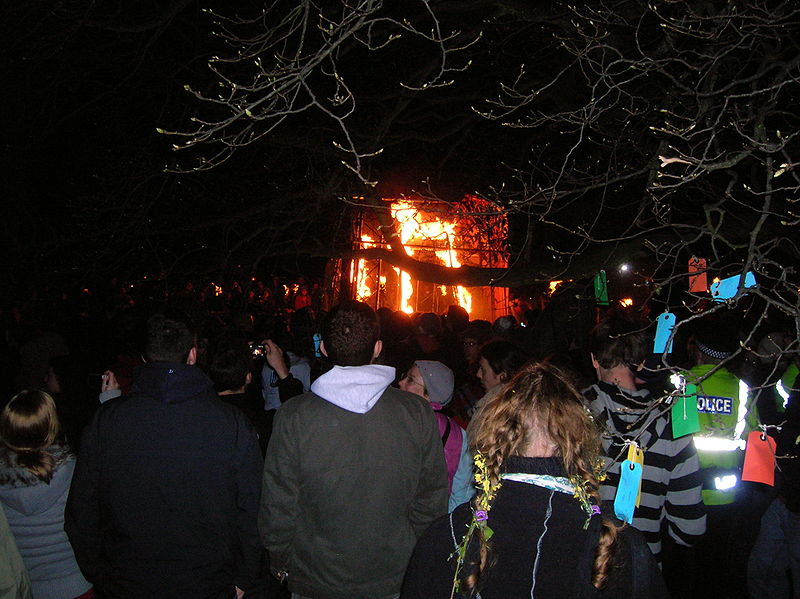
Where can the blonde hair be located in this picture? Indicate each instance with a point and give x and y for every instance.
(540, 399)
(28, 427)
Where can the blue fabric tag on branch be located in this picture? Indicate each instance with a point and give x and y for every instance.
(664, 326)
(728, 288)
(630, 476)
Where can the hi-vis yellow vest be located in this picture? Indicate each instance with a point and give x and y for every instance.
(722, 407)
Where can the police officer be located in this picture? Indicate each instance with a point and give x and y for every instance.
(725, 418)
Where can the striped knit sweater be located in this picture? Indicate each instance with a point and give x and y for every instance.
(671, 483)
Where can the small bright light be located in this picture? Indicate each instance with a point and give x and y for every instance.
(783, 393)
(626, 302)
(723, 483)
(624, 267)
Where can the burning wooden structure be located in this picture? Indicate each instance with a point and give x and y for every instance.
(470, 232)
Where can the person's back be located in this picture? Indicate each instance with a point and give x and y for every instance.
(536, 528)
(670, 490)
(433, 381)
(35, 474)
(164, 499)
(354, 472)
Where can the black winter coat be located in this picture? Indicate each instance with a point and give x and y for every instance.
(165, 494)
(529, 546)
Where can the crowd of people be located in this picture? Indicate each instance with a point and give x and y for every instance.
(351, 453)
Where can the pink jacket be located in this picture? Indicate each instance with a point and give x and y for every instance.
(452, 435)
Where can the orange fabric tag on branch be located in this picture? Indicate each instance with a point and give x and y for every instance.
(697, 282)
(759, 459)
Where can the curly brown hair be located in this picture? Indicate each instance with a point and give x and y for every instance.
(540, 404)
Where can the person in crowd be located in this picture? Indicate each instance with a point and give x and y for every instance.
(354, 472)
(14, 580)
(454, 322)
(536, 528)
(768, 370)
(35, 474)
(499, 361)
(773, 569)
(299, 366)
(302, 299)
(670, 490)
(774, 370)
(722, 404)
(230, 369)
(725, 416)
(303, 346)
(505, 327)
(468, 388)
(36, 352)
(472, 338)
(426, 341)
(397, 330)
(165, 495)
(76, 395)
(434, 381)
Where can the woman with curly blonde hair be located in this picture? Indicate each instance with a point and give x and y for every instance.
(535, 529)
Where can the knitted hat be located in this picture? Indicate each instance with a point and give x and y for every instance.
(438, 380)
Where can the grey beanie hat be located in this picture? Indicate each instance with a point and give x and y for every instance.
(438, 380)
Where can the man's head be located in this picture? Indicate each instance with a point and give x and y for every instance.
(350, 335)
(429, 324)
(170, 338)
(618, 340)
(230, 366)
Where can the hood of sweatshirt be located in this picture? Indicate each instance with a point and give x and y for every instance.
(354, 388)
(171, 382)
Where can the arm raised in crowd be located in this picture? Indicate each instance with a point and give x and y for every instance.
(288, 386)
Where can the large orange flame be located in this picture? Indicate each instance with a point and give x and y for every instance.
(469, 232)
(363, 290)
(415, 230)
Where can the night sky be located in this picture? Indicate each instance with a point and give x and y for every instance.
(87, 84)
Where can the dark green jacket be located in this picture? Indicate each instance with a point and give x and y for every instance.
(346, 495)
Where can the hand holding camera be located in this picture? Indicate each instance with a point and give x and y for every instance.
(275, 358)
